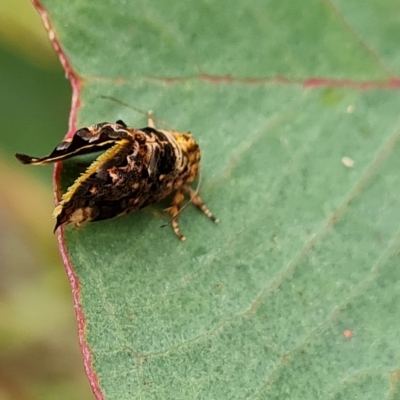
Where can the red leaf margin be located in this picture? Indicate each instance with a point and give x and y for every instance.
(73, 278)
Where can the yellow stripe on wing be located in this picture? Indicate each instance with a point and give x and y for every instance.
(107, 155)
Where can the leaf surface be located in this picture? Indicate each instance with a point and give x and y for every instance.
(294, 294)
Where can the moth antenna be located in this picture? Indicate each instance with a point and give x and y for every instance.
(196, 192)
(138, 110)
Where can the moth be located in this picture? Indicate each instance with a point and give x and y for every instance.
(138, 167)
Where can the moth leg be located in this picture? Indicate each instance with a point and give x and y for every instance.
(150, 120)
(196, 200)
(174, 210)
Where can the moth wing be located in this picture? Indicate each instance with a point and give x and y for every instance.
(84, 141)
(105, 189)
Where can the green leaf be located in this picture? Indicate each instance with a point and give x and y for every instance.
(294, 294)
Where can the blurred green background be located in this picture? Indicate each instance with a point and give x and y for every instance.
(39, 353)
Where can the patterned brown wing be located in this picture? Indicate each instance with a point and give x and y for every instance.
(112, 185)
(86, 140)
(133, 173)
